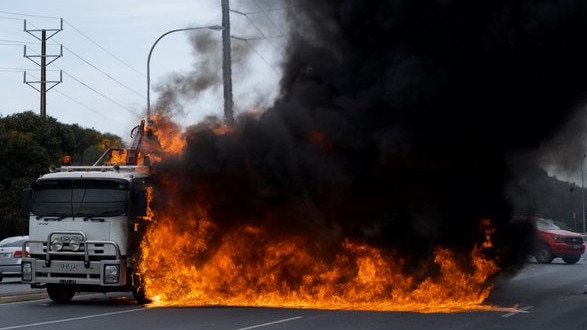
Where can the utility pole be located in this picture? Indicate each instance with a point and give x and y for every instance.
(583, 191)
(43, 63)
(226, 65)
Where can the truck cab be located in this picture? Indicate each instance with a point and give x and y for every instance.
(85, 228)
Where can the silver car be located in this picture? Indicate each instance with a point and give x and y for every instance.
(11, 256)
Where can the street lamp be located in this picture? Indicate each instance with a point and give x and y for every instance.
(211, 27)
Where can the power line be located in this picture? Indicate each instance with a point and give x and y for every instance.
(11, 69)
(28, 15)
(258, 29)
(97, 92)
(101, 94)
(84, 105)
(105, 50)
(17, 42)
(256, 52)
(104, 73)
(87, 107)
(264, 12)
(11, 18)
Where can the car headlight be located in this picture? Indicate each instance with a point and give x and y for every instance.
(111, 274)
(56, 245)
(75, 244)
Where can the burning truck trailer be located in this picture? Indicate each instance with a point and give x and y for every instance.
(85, 226)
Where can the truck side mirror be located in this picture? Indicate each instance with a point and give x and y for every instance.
(25, 198)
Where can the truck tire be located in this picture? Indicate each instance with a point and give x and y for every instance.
(60, 294)
(139, 295)
(543, 254)
(138, 290)
(571, 260)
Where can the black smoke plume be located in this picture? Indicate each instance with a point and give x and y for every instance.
(396, 123)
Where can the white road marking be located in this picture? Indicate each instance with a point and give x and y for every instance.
(268, 323)
(70, 319)
(515, 312)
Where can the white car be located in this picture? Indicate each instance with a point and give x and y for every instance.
(11, 256)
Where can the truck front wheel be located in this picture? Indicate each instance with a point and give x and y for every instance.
(60, 294)
(138, 290)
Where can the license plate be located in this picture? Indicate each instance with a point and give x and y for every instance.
(576, 246)
(67, 267)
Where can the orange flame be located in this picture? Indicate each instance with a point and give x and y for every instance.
(163, 139)
(187, 260)
(118, 157)
(248, 268)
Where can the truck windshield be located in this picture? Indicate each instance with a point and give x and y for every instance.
(80, 197)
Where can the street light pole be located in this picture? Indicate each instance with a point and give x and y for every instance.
(211, 27)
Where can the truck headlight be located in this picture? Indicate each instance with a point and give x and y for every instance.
(111, 274)
(56, 245)
(27, 271)
(75, 245)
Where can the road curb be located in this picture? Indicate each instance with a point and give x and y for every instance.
(23, 297)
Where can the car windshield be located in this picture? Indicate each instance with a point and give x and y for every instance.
(546, 224)
(12, 241)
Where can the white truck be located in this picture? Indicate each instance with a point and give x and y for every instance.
(86, 224)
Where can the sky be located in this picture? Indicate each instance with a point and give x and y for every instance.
(100, 79)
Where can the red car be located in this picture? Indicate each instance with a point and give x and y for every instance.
(553, 242)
